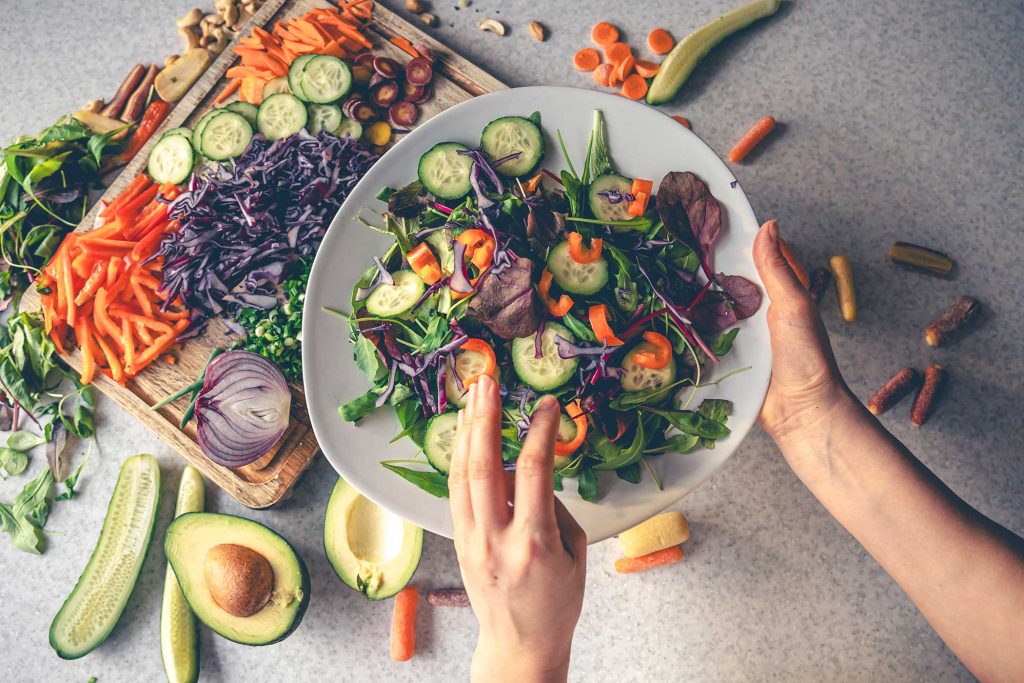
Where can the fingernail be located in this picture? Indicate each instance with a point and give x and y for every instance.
(772, 227)
(549, 403)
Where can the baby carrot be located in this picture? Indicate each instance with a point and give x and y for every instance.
(603, 73)
(586, 59)
(403, 625)
(604, 33)
(634, 87)
(647, 69)
(751, 139)
(616, 52)
(843, 274)
(660, 41)
(630, 565)
(794, 264)
(682, 119)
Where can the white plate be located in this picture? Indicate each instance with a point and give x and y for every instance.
(644, 143)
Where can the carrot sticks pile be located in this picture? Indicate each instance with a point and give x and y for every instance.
(102, 286)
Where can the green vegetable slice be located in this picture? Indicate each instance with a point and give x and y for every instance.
(439, 442)
(247, 111)
(573, 276)
(444, 172)
(98, 599)
(600, 206)
(509, 135)
(550, 371)
(281, 115)
(325, 79)
(295, 75)
(171, 159)
(391, 300)
(179, 637)
(323, 117)
(225, 136)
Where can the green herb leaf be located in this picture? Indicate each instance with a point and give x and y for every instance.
(434, 483)
(587, 484)
(12, 462)
(367, 358)
(690, 422)
(677, 443)
(630, 473)
(616, 457)
(22, 440)
(359, 407)
(716, 409)
(722, 343)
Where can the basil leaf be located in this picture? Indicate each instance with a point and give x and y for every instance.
(45, 169)
(434, 483)
(22, 440)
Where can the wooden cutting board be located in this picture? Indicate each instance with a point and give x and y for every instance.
(265, 482)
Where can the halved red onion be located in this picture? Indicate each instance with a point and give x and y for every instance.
(385, 93)
(349, 105)
(403, 114)
(386, 67)
(418, 71)
(242, 409)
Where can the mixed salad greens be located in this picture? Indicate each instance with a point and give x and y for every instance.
(576, 285)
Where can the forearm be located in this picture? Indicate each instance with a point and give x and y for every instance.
(964, 572)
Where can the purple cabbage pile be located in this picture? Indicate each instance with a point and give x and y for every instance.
(244, 224)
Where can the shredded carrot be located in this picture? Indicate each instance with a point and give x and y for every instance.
(660, 558)
(405, 46)
(603, 73)
(647, 69)
(749, 141)
(403, 625)
(682, 119)
(604, 33)
(634, 87)
(170, 360)
(794, 264)
(227, 92)
(660, 41)
(586, 59)
(616, 52)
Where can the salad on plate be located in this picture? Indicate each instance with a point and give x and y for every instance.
(586, 284)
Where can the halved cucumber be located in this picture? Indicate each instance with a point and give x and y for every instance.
(388, 301)
(187, 132)
(323, 117)
(573, 276)
(171, 159)
(511, 134)
(281, 115)
(225, 136)
(549, 371)
(179, 638)
(275, 86)
(325, 79)
(468, 364)
(98, 599)
(439, 442)
(247, 110)
(349, 127)
(603, 209)
(295, 74)
(444, 172)
(197, 130)
(638, 378)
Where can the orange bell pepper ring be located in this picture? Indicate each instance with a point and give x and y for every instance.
(598, 314)
(575, 413)
(484, 349)
(557, 308)
(581, 254)
(424, 263)
(479, 247)
(659, 357)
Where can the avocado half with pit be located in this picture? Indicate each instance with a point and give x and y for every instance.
(240, 578)
(372, 550)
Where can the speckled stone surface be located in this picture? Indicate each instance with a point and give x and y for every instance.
(899, 121)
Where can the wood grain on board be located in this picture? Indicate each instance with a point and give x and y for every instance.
(265, 482)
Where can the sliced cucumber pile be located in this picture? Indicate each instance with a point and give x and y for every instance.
(225, 136)
(323, 117)
(248, 111)
(197, 130)
(573, 276)
(638, 378)
(276, 86)
(388, 301)
(98, 599)
(187, 132)
(281, 115)
(179, 637)
(439, 442)
(444, 172)
(172, 158)
(603, 209)
(509, 135)
(550, 371)
(325, 79)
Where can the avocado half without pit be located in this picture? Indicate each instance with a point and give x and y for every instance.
(241, 579)
(370, 549)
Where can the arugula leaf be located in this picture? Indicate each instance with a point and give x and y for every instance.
(44, 169)
(722, 343)
(716, 409)
(631, 400)
(22, 440)
(12, 462)
(367, 358)
(587, 484)
(630, 473)
(434, 483)
(614, 456)
(67, 129)
(579, 329)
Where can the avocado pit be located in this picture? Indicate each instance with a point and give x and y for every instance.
(240, 580)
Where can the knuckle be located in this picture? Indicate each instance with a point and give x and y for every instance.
(480, 469)
(533, 462)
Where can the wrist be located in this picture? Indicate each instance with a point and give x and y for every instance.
(498, 661)
(802, 427)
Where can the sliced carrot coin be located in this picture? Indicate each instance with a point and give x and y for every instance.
(682, 119)
(625, 67)
(660, 41)
(603, 73)
(634, 87)
(586, 59)
(646, 69)
(616, 52)
(604, 33)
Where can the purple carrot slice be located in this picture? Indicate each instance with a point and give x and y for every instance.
(403, 114)
(385, 93)
(363, 112)
(423, 98)
(386, 67)
(364, 59)
(412, 92)
(418, 71)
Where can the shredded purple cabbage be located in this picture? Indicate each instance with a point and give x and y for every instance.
(615, 197)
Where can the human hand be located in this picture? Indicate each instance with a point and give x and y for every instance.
(806, 388)
(524, 566)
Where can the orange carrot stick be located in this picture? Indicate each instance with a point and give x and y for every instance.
(69, 296)
(660, 558)
(116, 371)
(128, 345)
(227, 92)
(84, 336)
(749, 141)
(405, 46)
(794, 263)
(403, 625)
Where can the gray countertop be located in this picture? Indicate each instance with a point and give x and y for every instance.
(899, 121)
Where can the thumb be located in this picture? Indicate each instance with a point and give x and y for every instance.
(780, 282)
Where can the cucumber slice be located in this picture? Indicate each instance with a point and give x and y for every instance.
(179, 638)
(439, 442)
(295, 75)
(98, 599)
(444, 172)
(197, 130)
(323, 117)
(603, 209)
(247, 110)
(549, 371)
(187, 132)
(511, 134)
(325, 79)
(275, 86)
(225, 136)
(575, 277)
(638, 378)
(171, 159)
(468, 364)
(685, 56)
(281, 115)
(388, 301)
(349, 127)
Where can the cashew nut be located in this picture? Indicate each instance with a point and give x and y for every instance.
(170, 59)
(428, 19)
(492, 25)
(231, 15)
(190, 37)
(193, 17)
(219, 42)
